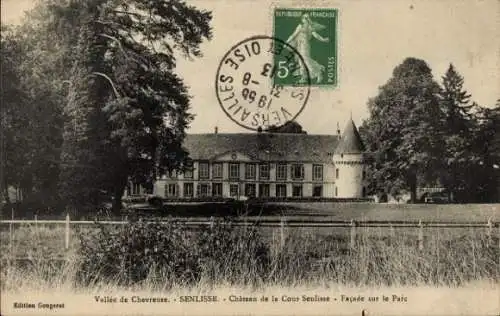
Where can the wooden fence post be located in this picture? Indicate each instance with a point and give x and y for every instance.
(11, 237)
(498, 228)
(490, 230)
(353, 234)
(66, 239)
(282, 232)
(36, 225)
(245, 224)
(420, 235)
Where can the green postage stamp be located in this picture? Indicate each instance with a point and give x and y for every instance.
(313, 34)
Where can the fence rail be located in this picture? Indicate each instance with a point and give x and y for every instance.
(275, 223)
(281, 223)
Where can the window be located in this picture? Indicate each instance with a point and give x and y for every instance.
(203, 190)
(337, 173)
(336, 191)
(281, 172)
(281, 190)
(234, 190)
(297, 190)
(172, 174)
(203, 172)
(364, 174)
(136, 189)
(264, 171)
(317, 172)
(297, 171)
(216, 189)
(264, 190)
(171, 190)
(250, 171)
(250, 189)
(234, 171)
(318, 191)
(364, 191)
(188, 172)
(217, 170)
(188, 189)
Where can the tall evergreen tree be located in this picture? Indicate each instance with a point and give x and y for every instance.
(82, 156)
(458, 124)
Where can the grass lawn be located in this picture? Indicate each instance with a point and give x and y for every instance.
(394, 212)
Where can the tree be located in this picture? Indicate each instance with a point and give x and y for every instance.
(83, 153)
(403, 130)
(484, 175)
(31, 150)
(290, 127)
(458, 125)
(126, 109)
(13, 118)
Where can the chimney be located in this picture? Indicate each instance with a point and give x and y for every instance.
(338, 129)
(216, 130)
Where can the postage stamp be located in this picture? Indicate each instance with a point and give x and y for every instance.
(246, 88)
(313, 33)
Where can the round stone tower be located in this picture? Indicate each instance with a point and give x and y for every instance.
(349, 163)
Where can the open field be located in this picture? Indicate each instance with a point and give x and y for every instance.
(30, 239)
(470, 252)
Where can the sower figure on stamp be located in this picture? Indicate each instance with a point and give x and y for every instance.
(301, 40)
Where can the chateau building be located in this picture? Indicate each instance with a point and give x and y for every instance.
(270, 165)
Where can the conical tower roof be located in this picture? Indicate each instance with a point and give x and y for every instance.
(350, 142)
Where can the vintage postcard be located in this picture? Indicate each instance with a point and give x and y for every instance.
(251, 157)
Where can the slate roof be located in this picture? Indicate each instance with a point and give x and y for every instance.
(263, 146)
(351, 142)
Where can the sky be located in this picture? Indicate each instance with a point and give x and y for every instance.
(373, 38)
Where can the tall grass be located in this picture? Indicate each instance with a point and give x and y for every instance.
(156, 257)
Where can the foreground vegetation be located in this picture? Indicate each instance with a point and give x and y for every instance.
(160, 257)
